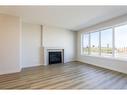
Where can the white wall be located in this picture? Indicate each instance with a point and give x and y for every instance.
(60, 38)
(112, 64)
(52, 37)
(31, 41)
(10, 44)
(20, 43)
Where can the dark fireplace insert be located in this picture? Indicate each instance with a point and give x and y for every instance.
(55, 57)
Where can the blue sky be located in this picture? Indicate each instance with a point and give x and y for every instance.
(121, 36)
(94, 39)
(106, 37)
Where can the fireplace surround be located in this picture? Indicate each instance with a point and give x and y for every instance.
(46, 51)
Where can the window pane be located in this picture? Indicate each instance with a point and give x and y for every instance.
(85, 48)
(94, 50)
(121, 41)
(106, 42)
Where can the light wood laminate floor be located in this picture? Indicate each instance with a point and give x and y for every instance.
(73, 75)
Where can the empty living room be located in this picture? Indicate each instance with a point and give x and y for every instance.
(63, 47)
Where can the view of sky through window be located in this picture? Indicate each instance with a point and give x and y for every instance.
(106, 42)
(103, 43)
(121, 41)
(94, 48)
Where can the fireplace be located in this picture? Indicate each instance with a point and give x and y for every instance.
(52, 55)
(55, 57)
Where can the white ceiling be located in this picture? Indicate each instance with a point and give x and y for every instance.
(68, 17)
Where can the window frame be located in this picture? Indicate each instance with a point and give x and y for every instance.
(113, 42)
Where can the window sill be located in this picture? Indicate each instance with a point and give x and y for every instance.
(106, 57)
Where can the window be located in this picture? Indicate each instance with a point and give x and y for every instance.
(94, 46)
(85, 48)
(121, 41)
(110, 42)
(106, 42)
